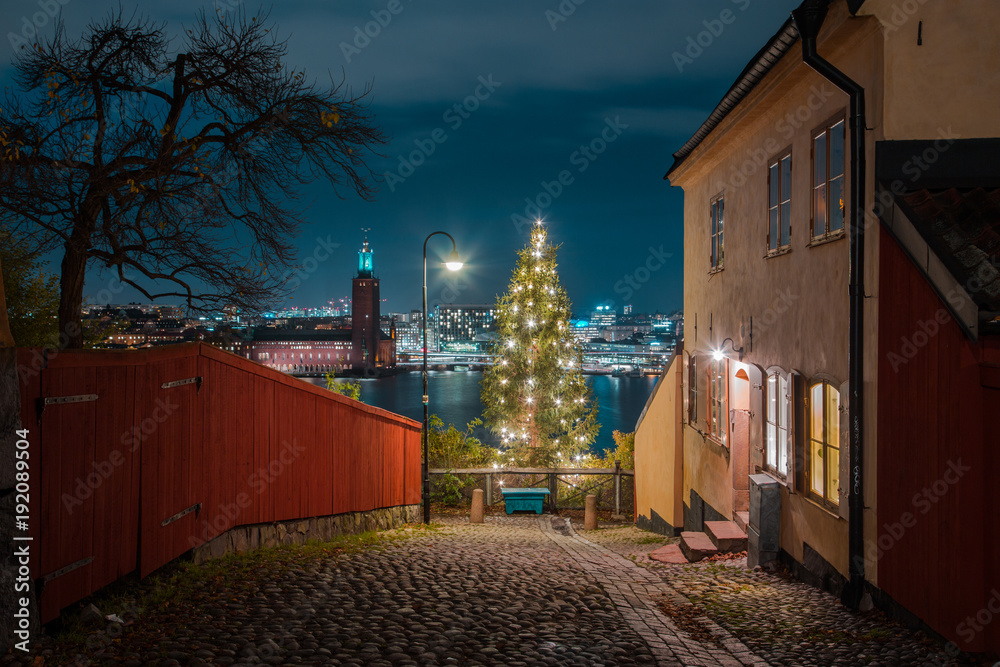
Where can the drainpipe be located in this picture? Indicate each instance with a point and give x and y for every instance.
(808, 19)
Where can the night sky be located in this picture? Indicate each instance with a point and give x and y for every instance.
(523, 93)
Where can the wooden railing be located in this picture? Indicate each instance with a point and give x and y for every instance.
(140, 456)
(551, 477)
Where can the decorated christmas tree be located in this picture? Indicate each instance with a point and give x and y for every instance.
(535, 397)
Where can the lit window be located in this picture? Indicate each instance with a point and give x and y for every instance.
(778, 409)
(828, 180)
(824, 442)
(718, 410)
(779, 177)
(717, 223)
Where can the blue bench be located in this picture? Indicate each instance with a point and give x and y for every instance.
(530, 500)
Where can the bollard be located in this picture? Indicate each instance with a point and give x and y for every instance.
(476, 516)
(590, 515)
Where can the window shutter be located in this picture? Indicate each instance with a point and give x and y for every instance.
(845, 446)
(797, 433)
(789, 443)
(686, 385)
(757, 419)
(701, 376)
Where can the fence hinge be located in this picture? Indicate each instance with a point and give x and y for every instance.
(181, 383)
(41, 581)
(196, 508)
(62, 400)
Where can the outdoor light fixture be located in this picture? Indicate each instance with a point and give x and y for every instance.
(718, 354)
(454, 263)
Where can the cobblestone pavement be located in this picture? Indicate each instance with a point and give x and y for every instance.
(520, 590)
(778, 618)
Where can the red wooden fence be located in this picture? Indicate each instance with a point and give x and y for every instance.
(182, 427)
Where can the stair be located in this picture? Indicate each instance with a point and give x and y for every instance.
(742, 520)
(670, 553)
(726, 536)
(696, 546)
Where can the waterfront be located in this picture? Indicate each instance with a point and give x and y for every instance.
(454, 396)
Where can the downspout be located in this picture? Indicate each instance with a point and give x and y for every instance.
(808, 19)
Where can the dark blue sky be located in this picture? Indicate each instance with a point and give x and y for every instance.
(535, 85)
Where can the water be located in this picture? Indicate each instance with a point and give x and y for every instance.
(454, 396)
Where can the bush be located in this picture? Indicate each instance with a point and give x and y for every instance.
(348, 389)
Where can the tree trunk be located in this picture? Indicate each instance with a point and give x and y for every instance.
(74, 267)
(74, 272)
(6, 338)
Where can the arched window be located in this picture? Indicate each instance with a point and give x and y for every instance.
(823, 452)
(778, 419)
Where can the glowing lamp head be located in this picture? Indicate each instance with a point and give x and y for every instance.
(717, 355)
(454, 262)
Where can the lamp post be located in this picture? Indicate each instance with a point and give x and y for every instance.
(453, 264)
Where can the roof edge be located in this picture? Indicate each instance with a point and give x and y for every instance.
(752, 74)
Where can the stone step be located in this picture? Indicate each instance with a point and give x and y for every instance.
(670, 553)
(696, 546)
(742, 520)
(726, 536)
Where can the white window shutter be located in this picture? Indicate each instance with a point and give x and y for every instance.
(757, 418)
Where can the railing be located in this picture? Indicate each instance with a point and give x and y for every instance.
(496, 478)
(140, 456)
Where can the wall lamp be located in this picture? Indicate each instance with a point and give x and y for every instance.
(718, 354)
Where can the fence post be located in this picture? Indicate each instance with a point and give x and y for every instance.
(553, 491)
(618, 488)
(489, 489)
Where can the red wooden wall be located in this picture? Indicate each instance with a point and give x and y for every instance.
(251, 445)
(934, 412)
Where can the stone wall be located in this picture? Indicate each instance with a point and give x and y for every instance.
(298, 531)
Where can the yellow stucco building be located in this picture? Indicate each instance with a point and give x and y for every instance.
(785, 283)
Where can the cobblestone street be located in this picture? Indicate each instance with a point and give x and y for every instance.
(520, 590)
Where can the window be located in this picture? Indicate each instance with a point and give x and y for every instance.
(824, 442)
(828, 180)
(718, 410)
(717, 220)
(693, 390)
(778, 411)
(779, 180)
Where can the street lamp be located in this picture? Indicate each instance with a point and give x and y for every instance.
(454, 263)
(719, 354)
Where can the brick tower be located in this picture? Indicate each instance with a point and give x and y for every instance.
(365, 333)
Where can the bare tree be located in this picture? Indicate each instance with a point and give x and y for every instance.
(177, 169)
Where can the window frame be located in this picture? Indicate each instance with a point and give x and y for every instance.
(717, 239)
(823, 497)
(825, 130)
(785, 442)
(717, 403)
(777, 248)
(693, 390)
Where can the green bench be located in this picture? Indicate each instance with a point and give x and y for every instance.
(530, 500)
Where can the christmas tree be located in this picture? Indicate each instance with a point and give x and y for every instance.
(535, 397)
